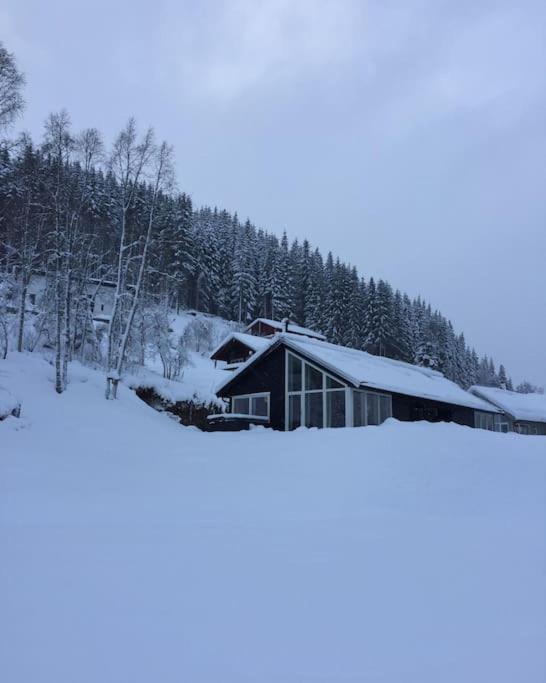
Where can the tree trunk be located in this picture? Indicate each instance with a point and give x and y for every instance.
(22, 306)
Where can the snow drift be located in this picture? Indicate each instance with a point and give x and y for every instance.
(137, 550)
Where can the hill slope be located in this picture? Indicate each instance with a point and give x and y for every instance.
(134, 549)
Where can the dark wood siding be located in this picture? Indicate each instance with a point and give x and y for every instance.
(412, 409)
(266, 374)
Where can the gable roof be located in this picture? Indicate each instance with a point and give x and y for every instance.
(529, 407)
(292, 327)
(361, 369)
(250, 340)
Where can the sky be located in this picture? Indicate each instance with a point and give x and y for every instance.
(406, 136)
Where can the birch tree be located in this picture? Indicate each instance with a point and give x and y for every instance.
(160, 159)
(11, 83)
(59, 143)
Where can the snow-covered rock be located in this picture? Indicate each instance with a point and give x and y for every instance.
(9, 405)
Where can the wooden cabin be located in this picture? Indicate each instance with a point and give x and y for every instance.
(297, 380)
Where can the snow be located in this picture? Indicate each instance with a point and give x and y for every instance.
(292, 327)
(232, 416)
(8, 403)
(199, 378)
(530, 407)
(363, 369)
(134, 549)
(197, 383)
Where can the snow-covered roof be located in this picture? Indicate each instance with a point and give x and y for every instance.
(363, 369)
(530, 407)
(292, 327)
(251, 340)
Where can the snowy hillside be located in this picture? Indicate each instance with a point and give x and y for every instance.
(136, 550)
(199, 376)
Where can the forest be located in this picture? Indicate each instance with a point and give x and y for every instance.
(75, 212)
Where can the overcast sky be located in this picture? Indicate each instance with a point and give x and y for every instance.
(408, 137)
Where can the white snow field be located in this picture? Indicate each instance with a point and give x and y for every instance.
(134, 550)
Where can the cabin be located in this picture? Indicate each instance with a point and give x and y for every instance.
(297, 380)
(520, 413)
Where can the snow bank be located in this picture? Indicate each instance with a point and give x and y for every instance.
(197, 382)
(199, 377)
(137, 550)
(8, 403)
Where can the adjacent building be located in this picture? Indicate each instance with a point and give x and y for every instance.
(521, 413)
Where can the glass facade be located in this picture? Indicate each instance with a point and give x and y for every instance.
(371, 408)
(314, 398)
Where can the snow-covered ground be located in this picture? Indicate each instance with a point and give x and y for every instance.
(134, 550)
(200, 376)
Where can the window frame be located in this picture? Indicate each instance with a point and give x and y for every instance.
(324, 390)
(258, 394)
(364, 393)
(480, 416)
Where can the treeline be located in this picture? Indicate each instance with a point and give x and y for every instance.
(74, 211)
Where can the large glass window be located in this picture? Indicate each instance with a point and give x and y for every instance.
(253, 404)
(335, 408)
(313, 378)
(372, 412)
(385, 410)
(294, 411)
(294, 373)
(314, 398)
(359, 408)
(314, 409)
(484, 421)
(371, 408)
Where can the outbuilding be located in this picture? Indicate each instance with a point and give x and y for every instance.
(521, 413)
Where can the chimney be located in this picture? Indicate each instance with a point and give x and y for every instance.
(284, 323)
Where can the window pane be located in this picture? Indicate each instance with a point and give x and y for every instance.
(313, 409)
(335, 408)
(384, 408)
(294, 373)
(259, 405)
(294, 411)
(332, 384)
(241, 406)
(359, 408)
(313, 378)
(372, 401)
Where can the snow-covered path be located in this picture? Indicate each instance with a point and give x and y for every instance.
(134, 550)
